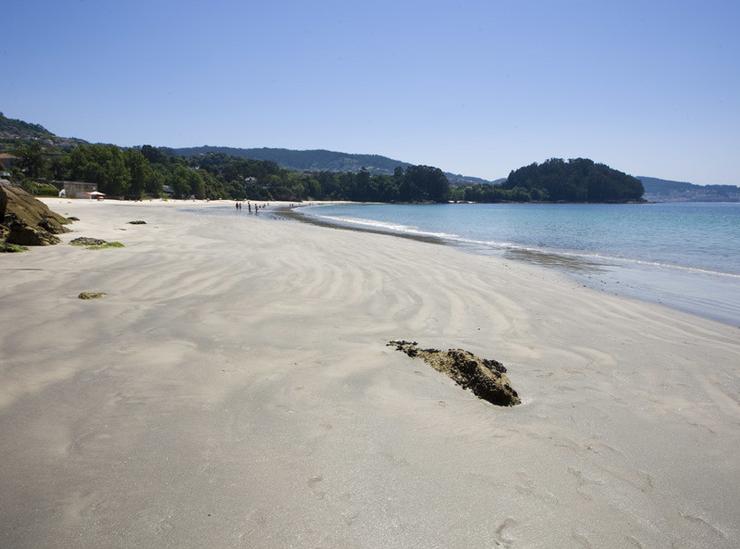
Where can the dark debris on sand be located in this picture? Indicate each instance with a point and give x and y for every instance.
(91, 295)
(87, 241)
(486, 378)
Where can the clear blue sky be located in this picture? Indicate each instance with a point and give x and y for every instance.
(477, 87)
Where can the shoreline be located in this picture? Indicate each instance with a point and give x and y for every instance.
(618, 276)
(234, 386)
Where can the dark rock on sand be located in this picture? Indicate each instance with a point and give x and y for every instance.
(73, 218)
(27, 235)
(486, 378)
(52, 225)
(137, 222)
(29, 221)
(95, 243)
(91, 295)
(87, 241)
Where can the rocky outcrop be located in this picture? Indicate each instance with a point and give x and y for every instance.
(486, 378)
(26, 235)
(29, 221)
(3, 199)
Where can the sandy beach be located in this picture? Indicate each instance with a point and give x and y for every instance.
(234, 389)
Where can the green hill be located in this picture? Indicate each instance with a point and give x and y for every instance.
(575, 180)
(319, 160)
(665, 190)
(11, 128)
(13, 131)
(553, 180)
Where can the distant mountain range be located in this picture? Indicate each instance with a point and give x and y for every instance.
(665, 190)
(659, 190)
(317, 160)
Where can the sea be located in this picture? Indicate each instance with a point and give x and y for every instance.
(684, 255)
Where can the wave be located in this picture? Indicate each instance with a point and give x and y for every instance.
(592, 257)
(390, 227)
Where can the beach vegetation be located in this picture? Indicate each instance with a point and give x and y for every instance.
(148, 171)
(39, 188)
(9, 248)
(113, 244)
(95, 243)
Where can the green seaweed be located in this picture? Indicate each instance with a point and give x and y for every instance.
(114, 244)
(7, 247)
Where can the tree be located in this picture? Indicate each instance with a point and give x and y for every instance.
(196, 183)
(424, 183)
(179, 180)
(139, 170)
(117, 178)
(577, 180)
(32, 161)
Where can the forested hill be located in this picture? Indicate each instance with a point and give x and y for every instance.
(13, 131)
(558, 180)
(319, 160)
(665, 190)
(11, 128)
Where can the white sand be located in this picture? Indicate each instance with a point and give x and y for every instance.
(234, 390)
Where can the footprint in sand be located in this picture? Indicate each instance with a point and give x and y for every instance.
(350, 517)
(313, 484)
(584, 482)
(502, 538)
(527, 486)
(581, 539)
(706, 524)
(634, 542)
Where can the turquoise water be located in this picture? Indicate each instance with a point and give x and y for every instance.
(685, 255)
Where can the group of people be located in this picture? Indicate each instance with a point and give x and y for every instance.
(257, 207)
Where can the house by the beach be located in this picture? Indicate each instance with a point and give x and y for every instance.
(79, 189)
(7, 161)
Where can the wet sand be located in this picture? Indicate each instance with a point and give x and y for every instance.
(712, 295)
(233, 389)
